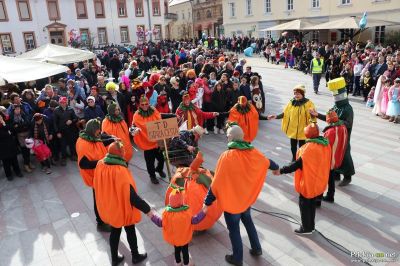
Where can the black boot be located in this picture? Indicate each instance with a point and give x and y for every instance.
(118, 261)
(154, 180)
(103, 227)
(328, 198)
(346, 180)
(138, 258)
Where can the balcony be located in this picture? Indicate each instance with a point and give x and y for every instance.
(171, 16)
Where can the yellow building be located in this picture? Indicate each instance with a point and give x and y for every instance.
(248, 17)
(180, 18)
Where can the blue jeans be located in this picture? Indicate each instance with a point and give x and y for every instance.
(316, 80)
(232, 222)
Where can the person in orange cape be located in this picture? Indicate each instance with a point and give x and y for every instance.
(143, 115)
(90, 148)
(114, 124)
(177, 214)
(194, 116)
(311, 167)
(246, 116)
(118, 202)
(239, 177)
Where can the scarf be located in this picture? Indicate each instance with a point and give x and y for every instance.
(185, 108)
(147, 113)
(36, 132)
(112, 159)
(240, 145)
(298, 102)
(319, 140)
(243, 110)
(87, 137)
(115, 119)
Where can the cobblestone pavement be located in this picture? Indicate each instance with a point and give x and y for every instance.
(36, 227)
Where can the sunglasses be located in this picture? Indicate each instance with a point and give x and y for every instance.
(144, 104)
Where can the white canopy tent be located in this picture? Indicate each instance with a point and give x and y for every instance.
(297, 24)
(350, 23)
(19, 70)
(51, 53)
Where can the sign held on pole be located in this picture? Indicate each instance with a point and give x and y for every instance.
(162, 129)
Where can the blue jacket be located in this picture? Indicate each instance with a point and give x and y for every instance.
(93, 112)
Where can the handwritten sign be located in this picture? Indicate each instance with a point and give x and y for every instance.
(162, 129)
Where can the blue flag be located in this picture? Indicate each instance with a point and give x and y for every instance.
(363, 21)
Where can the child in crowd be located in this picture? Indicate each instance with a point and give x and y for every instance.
(385, 98)
(370, 100)
(393, 109)
(212, 80)
(219, 100)
(177, 215)
(366, 85)
(41, 132)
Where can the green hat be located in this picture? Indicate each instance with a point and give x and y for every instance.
(92, 126)
(111, 108)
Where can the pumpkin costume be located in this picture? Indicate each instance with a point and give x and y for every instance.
(196, 182)
(239, 177)
(143, 115)
(90, 148)
(177, 223)
(246, 116)
(191, 114)
(117, 200)
(312, 166)
(115, 125)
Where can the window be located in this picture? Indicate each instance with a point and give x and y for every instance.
(189, 15)
(268, 34)
(315, 35)
(3, 11)
(209, 14)
(344, 34)
(6, 43)
(345, 2)
(29, 39)
(248, 7)
(85, 37)
(52, 9)
(139, 8)
(24, 10)
(157, 32)
(156, 8)
(121, 5)
(183, 15)
(289, 5)
(102, 35)
(232, 9)
(379, 34)
(124, 34)
(315, 3)
(267, 6)
(198, 15)
(81, 11)
(99, 8)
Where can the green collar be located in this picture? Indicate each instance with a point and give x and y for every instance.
(182, 208)
(114, 160)
(147, 113)
(115, 119)
(298, 102)
(87, 137)
(319, 140)
(240, 145)
(185, 108)
(243, 110)
(338, 123)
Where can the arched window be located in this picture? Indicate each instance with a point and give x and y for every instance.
(198, 15)
(208, 13)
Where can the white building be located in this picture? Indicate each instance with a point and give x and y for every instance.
(26, 24)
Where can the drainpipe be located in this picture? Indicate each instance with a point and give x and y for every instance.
(148, 15)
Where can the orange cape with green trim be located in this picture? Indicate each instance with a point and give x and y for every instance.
(177, 227)
(248, 122)
(120, 130)
(311, 180)
(238, 179)
(141, 139)
(112, 186)
(94, 151)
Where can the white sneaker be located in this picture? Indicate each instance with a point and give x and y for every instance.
(206, 131)
(215, 130)
(221, 131)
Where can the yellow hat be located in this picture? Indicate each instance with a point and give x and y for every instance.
(335, 85)
(111, 86)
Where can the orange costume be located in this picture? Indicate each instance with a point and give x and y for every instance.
(115, 125)
(246, 116)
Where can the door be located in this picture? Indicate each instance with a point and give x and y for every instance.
(57, 37)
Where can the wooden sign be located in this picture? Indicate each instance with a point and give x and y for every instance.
(162, 129)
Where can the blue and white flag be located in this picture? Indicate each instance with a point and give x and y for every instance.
(363, 21)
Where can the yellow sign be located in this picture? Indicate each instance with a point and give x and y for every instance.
(162, 129)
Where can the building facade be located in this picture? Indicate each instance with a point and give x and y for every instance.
(248, 17)
(208, 17)
(27, 24)
(180, 20)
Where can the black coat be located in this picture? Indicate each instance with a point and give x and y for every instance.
(219, 101)
(8, 145)
(61, 116)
